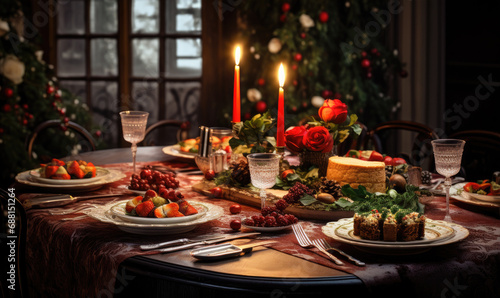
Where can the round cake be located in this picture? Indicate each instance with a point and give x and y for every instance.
(356, 172)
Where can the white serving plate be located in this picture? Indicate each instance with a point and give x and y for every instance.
(104, 214)
(119, 211)
(100, 174)
(395, 248)
(175, 150)
(114, 175)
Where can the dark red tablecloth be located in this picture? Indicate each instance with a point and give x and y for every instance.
(76, 258)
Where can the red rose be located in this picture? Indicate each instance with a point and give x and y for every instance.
(293, 138)
(333, 111)
(318, 139)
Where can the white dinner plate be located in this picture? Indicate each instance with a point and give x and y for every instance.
(114, 175)
(457, 193)
(458, 189)
(395, 248)
(175, 150)
(104, 214)
(119, 210)
(100, 174)
(267, 229)
(434, 231)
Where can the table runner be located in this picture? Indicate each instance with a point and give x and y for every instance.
(81, 257)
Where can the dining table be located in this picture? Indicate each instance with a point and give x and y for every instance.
(79, 250)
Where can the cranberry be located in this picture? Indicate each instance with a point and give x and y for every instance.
(235, 224)
(210, 175)
(235, 209)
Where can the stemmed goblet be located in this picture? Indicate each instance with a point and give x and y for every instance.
(134, 128)
(448, 158)
(264, 167)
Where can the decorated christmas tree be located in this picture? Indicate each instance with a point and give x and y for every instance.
(29, 95)
(332, 49)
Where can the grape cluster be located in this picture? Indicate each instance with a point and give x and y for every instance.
(152, 179)
(296, 192)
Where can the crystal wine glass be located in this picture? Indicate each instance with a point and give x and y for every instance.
(134, 128)
(448, 158)
(264, 167)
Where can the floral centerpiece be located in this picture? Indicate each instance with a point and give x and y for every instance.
(317, 140)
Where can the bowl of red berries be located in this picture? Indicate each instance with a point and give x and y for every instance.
(271, 219)
(152, 179)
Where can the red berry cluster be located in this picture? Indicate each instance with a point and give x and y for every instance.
(152, 179)
(272, 216)
(296, 192)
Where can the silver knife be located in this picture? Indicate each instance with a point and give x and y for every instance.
(47, 201)
(207, 242)
(180, 241)
(226, 250)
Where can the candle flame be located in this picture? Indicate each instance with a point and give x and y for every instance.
(281, 75)
(237, 55)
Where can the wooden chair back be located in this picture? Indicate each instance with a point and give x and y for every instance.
(166, 132)
(85, 140)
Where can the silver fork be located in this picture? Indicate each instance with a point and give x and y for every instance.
(305, 242)
(327, 246)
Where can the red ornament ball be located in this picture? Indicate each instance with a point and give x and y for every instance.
(363, 54)
(285, 7)
(294, 109)
(8, 92)
(66, 119)
(50, 89)
(298, 57)
(294, 66)
(295, 83)
(374, 51)
(323, 17)
(369, 75)
(283, 18)
(337, 95)
(247, 116)
(261, 82)
(261, 106)
(327, 94)
(365, 63)
(303, 35)
(403, 73)
(98, 133)
(25, 121)
(1, 130)
(7, 108)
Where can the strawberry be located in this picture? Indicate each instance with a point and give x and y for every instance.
(131, 204)
(375, 156)
(150, 194)
(396, 161)
(158, 212)
(144, 208)
(388, 160)
(186, 208)
(171, 210)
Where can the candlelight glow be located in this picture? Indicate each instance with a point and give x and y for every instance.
(281, 75)
(237, 54)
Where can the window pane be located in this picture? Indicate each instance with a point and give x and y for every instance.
(188, 22)
(145, 57)
(104, 57)
(103, 16)
(145, 16)
(183, 57)
(182, 103)
(76, 88)
(104, 98)
(71, 57)
(68, 21)
(145, 98)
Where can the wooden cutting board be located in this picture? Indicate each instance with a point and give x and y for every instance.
(251, 198)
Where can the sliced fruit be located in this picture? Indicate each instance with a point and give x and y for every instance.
(186, 208)
(131, 204)
(50, 171)
(158, 201)
(171, 210)
(158, 212)
(61, 174)
(144, 208)
(150, 194)
(75, 170)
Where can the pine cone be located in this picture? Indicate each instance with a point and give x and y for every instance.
(330, 187)
(426, 177)
(240, 172)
